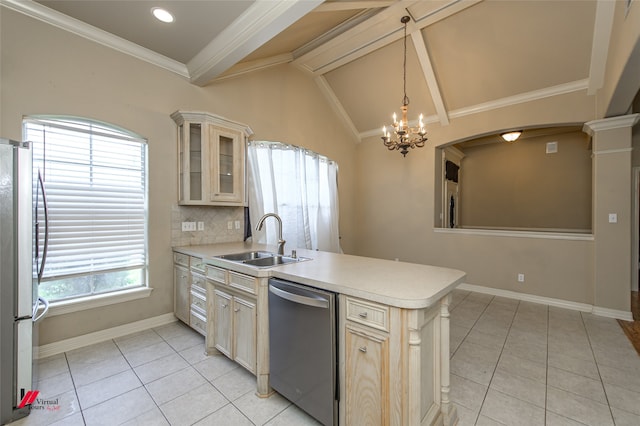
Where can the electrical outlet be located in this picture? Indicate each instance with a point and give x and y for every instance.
(200, 226)
(188, 226)
(237, 224)
(520, 278)
(230, 225)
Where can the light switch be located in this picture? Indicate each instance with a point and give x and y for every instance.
(613, 218)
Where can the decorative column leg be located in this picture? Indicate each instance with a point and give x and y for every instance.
(415, 373)
(449, 413)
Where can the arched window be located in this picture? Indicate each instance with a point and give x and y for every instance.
(95, 180)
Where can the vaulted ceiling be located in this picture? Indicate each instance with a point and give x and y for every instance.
(464, 56)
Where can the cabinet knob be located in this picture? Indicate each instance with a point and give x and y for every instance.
(224, 305)
(363, 349)
(363, 314)
(236, 310)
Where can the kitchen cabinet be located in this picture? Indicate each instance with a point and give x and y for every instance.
(392, 358)
(190, 295)
(181, 287)
(366, 365)
(235, 328)
(222, 333)
(198, 305)
(234, 316)
(211, 159)
(393, 337)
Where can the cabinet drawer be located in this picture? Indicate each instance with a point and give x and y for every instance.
(216, 274)
(198, 282)
(181, 259)
(197, 264)
(199, 301)
(198, 323)
(242, 282)
(367, 313)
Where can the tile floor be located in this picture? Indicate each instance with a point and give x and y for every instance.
(519, 363)
(160, 376)
(513, 363)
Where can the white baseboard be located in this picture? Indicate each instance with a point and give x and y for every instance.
(612, 313)
(559, 303)
(102, 335)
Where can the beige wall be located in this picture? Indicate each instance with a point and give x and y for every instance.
(45, 70)
(519, 185)
(396, 210)
(396, 206)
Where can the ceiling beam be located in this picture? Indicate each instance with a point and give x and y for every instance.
(429, 76)
(259, 24)
(600, 48)
(336, 105)
(352, 5)
(380, 30)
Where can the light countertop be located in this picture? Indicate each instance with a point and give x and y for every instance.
(399, 284)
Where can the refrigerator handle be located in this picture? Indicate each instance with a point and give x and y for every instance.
(45, 302)
(46, 228)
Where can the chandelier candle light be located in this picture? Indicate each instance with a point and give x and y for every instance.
(404, 136)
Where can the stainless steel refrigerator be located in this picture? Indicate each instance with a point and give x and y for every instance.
(21, 256)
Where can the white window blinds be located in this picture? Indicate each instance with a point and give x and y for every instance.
(96, 186)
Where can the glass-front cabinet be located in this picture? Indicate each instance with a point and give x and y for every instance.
(211, 159)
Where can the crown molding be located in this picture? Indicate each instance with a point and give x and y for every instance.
(594, 126)
(42, 13)
(548, 92)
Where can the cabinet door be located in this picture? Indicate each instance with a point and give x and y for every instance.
(244, 330)
(366, 378)
(181, 293)
(227, 165)
(191, 166)
(222, 322)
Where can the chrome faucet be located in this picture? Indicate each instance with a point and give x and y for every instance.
(280, 240)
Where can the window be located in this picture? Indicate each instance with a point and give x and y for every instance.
(95, 176)
(301, 187)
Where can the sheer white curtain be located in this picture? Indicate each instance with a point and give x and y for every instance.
(301, 186)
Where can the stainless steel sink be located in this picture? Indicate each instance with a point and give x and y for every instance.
(272, 261)
(261, 259)
(249, 255)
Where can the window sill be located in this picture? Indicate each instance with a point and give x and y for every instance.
(578, 236)
(96, 301)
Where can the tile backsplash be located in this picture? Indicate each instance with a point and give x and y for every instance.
(216, 220)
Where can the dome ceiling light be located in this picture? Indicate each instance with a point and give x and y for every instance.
(511, 136)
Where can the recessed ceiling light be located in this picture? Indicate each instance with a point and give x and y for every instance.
(162, 14)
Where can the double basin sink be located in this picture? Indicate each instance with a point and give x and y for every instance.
(261, 259)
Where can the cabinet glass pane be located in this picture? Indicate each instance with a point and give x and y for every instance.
(225, 145)
(195, 161)
(181, 159)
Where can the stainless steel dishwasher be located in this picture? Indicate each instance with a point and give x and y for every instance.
(302, 345)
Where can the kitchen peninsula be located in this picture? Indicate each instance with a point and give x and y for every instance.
(393, 325)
